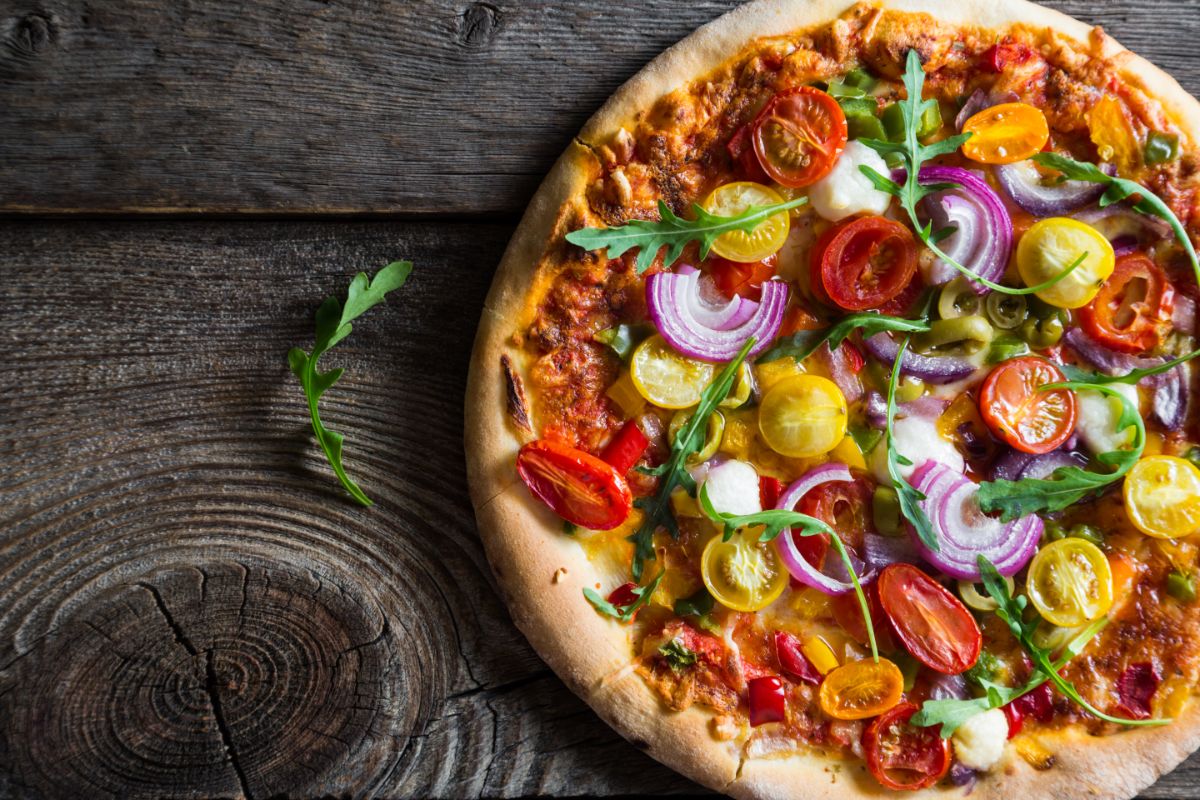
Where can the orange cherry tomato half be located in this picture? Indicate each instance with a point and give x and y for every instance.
(861, 689)
(799, 135)
(576, 485)
(903, 756)
(1132, 306)
(1005, 133)
(863, 263)
(741, 279)
(931, 623)
(1019, 412)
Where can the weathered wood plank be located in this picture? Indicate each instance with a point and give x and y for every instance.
(190, 605)
(406, 106)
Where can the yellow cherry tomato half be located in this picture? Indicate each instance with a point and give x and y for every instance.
(1050, 246)
(803, 416)
(743, 573)
(1070, 583)
(766, 238)
(1162, 497)
(1005, 133)
(861, 689)
(666, 378)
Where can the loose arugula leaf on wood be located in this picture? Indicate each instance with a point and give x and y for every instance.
(1067, 485)
(333, 325)
(910, 498)
(641, 596)
(913, 153)
(803, 344)
(673, 232)
(673, 471)
(774, 521)
(1117, 190)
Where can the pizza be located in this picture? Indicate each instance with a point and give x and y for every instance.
(828, 425)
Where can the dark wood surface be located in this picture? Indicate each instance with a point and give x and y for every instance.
(189, 605)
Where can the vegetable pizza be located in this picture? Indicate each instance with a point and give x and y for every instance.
(829, 425)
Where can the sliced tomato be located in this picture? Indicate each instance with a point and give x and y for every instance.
(1132, 307)
(769, 490)
(844, 506)
(930, 622)
(903, 756)
(1015, 408)
(799, 135)
(580, 488)
(741, 150)
(863, 263)
(848, 613)
(742, 279)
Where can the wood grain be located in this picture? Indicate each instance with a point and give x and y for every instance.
(192, 606)
(398, 106)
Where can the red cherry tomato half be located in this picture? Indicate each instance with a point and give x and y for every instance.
(1132, 307)
(903, 756)
(576, 485)
(844, 506)
(799, 135)
(931, 623)
(741, 279)
(766, 699)
(848, 613)
(863, 263)
(792, 660)
(1019, 412)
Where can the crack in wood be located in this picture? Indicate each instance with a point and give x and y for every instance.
(180, 636)
(214, 698)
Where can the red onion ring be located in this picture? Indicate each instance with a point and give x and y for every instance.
(880, 551)
(978, 101)
(964, 532)
(983, 240)
(1015, 465)
(1120, 224)
(710, 309)
(793, 559)
(931, 369)
(680, 315)
(838, 363)
(1022, 182)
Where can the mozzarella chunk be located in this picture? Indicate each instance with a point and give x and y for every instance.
(846, 190)
(918, 439)
(732, 488)
(1096, 419)
(979, 742)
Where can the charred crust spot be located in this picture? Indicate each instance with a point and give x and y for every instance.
(518, 407)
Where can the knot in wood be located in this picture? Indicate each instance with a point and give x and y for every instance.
(30, 36)
(216, 680)
(477, 25)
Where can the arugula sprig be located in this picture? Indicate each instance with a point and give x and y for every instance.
(673, 471)
(1117, 189)
(913, 154)
(624, 613)
(910, 498)
(950, 714)
(774, 521)
(674, 232)
(1067, 485)
(803, 344)
(333, 325)
(1132, 377)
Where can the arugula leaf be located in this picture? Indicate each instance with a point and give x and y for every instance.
(913, 154)
(1067, 485)
(641, 596)
(673, 232)
(803, 344)
(697, 605)
(333, 325)
(677, 655)
(1131, 377)
(774, 521)
(673, 471)
(1117, 190)
(950, 714)
(910, 498)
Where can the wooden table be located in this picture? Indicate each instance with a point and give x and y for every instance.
(189, 604)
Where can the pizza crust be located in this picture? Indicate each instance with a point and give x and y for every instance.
(542, 573)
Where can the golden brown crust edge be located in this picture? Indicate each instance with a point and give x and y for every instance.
(524, 542)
